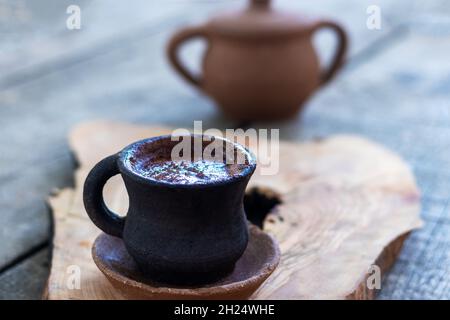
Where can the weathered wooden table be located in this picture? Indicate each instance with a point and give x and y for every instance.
(395, 90)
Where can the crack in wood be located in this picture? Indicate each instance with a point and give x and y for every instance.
(24, 256)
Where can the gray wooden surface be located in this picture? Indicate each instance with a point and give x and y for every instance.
(395, 89)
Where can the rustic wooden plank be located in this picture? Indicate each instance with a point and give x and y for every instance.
(38, 42)
(25, 218)
(27, 279)
(36, 33)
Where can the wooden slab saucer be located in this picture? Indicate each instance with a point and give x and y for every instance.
(257, 263)
(344, 204)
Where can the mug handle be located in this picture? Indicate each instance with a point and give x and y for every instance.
(339, 55)
(172, 51)
(95, 206)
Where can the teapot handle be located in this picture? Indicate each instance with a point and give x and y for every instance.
(339, 55)
(172, 51)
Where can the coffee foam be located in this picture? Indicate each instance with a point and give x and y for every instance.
(153, 160)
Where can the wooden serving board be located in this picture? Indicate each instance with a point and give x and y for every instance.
(346, 204)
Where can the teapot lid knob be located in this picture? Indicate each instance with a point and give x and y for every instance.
(260, 3)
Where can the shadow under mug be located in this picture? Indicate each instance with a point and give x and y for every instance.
(176, 233)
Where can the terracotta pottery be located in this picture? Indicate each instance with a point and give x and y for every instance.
(256, 264)
(260, 63)
(177, 232)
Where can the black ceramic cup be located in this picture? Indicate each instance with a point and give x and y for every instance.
(178, 230)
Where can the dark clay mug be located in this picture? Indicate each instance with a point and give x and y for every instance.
(186, 222)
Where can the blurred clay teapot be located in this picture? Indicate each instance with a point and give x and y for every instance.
(260, 63)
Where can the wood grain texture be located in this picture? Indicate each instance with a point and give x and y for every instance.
(395, 91)
(113, 67)
(347, 203)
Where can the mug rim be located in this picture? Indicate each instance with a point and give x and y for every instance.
(246, 172)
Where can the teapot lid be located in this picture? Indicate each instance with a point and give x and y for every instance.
(258, 19)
